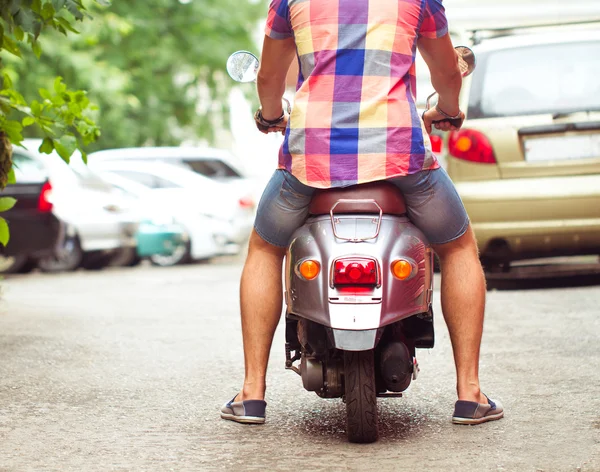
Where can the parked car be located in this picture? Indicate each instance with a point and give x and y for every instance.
(171, 232)
(35, 232)
(217, 217)
(527, 160)
(216, 164)
(99, 220)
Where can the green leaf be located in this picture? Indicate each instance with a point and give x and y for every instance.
(6, 81)
(36, 107)
(47, 146)
(9, 45)
(74, 9)
(6, 203)
(65, 146)
(59, 87)
(84, 156)
(37, 28)
(45, 93)
(28, 121)
(19, 33)
(24, 18)
(12, 179)
(104, 3)
(13, 129)
(37, 49)
(58, 4)
(48, 11)
(66, 25)
(4, 232)
(36, 6)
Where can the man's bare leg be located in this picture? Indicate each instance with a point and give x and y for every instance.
(261, 301)
(463, 304)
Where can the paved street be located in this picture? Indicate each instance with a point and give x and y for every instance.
(126, 370)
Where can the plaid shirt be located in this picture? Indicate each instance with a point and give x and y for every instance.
(354, 118)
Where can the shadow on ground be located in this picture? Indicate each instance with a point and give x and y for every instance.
(547, 276)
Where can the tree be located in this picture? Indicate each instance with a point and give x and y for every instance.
(157, 71)
(59, 113)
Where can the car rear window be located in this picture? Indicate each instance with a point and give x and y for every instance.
(146, 179)
(214, 168)
(27, 170)
(549, 78)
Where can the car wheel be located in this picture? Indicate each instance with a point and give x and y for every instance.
(126, 257)
(96, 260)
(16, 265)
(182, 254)
(67, 258)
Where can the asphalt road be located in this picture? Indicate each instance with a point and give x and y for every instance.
(126, 369)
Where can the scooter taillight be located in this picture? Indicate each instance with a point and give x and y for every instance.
(354, 271)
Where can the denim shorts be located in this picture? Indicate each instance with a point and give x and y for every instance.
(432, 203)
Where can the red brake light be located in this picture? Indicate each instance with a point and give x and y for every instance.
(436, 143)
(246, 202)
(355, 271)
(471, 145)
(44, 201)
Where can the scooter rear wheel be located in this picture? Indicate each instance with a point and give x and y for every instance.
(361, 396)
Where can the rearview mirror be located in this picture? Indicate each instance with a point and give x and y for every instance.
(466, 60)
(242, 66)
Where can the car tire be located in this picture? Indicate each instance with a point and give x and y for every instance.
(66, 259)
(181, 255)
(96, 260)
(126, 257)
(16, 265)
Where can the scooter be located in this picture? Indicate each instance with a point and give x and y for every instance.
(358, 290)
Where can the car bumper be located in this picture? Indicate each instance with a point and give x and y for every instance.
(157, 239)
(32, 234)
(519, 218)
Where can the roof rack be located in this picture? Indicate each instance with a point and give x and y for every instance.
(511, 30)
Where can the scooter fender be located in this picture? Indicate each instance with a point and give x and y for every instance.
(354, 318)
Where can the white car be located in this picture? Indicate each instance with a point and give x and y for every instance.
(216, 164)
(200, 238)
(99, 220)
(216, 217)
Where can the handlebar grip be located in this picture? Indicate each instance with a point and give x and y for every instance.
(456, 122)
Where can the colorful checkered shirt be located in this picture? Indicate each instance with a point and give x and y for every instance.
(354, 118)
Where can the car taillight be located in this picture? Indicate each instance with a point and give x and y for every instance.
(471, 145)
(44, 201)
(436, 143)
(355, 271)
(246, 202)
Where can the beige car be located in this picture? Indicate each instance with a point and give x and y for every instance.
(527, 160)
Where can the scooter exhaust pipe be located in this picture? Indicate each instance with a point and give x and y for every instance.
(396, 367)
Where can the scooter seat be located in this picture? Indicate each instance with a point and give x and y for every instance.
(387, 196)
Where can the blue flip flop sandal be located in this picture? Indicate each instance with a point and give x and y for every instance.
(246, 412)
(476, 413)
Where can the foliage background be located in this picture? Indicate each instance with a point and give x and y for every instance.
(155, 69)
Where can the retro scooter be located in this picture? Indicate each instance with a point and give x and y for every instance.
(358, 290)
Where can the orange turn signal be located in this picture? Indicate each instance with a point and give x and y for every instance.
(309, 269)
(402, 269)
(464, 143)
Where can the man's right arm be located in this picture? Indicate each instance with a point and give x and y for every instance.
(435, 46)
(440, 57)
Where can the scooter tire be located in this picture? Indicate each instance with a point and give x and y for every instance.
(361, 396)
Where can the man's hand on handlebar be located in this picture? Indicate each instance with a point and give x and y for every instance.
(432, 117)
(266, 126)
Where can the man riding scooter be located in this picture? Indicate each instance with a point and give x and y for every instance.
(355, 121)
